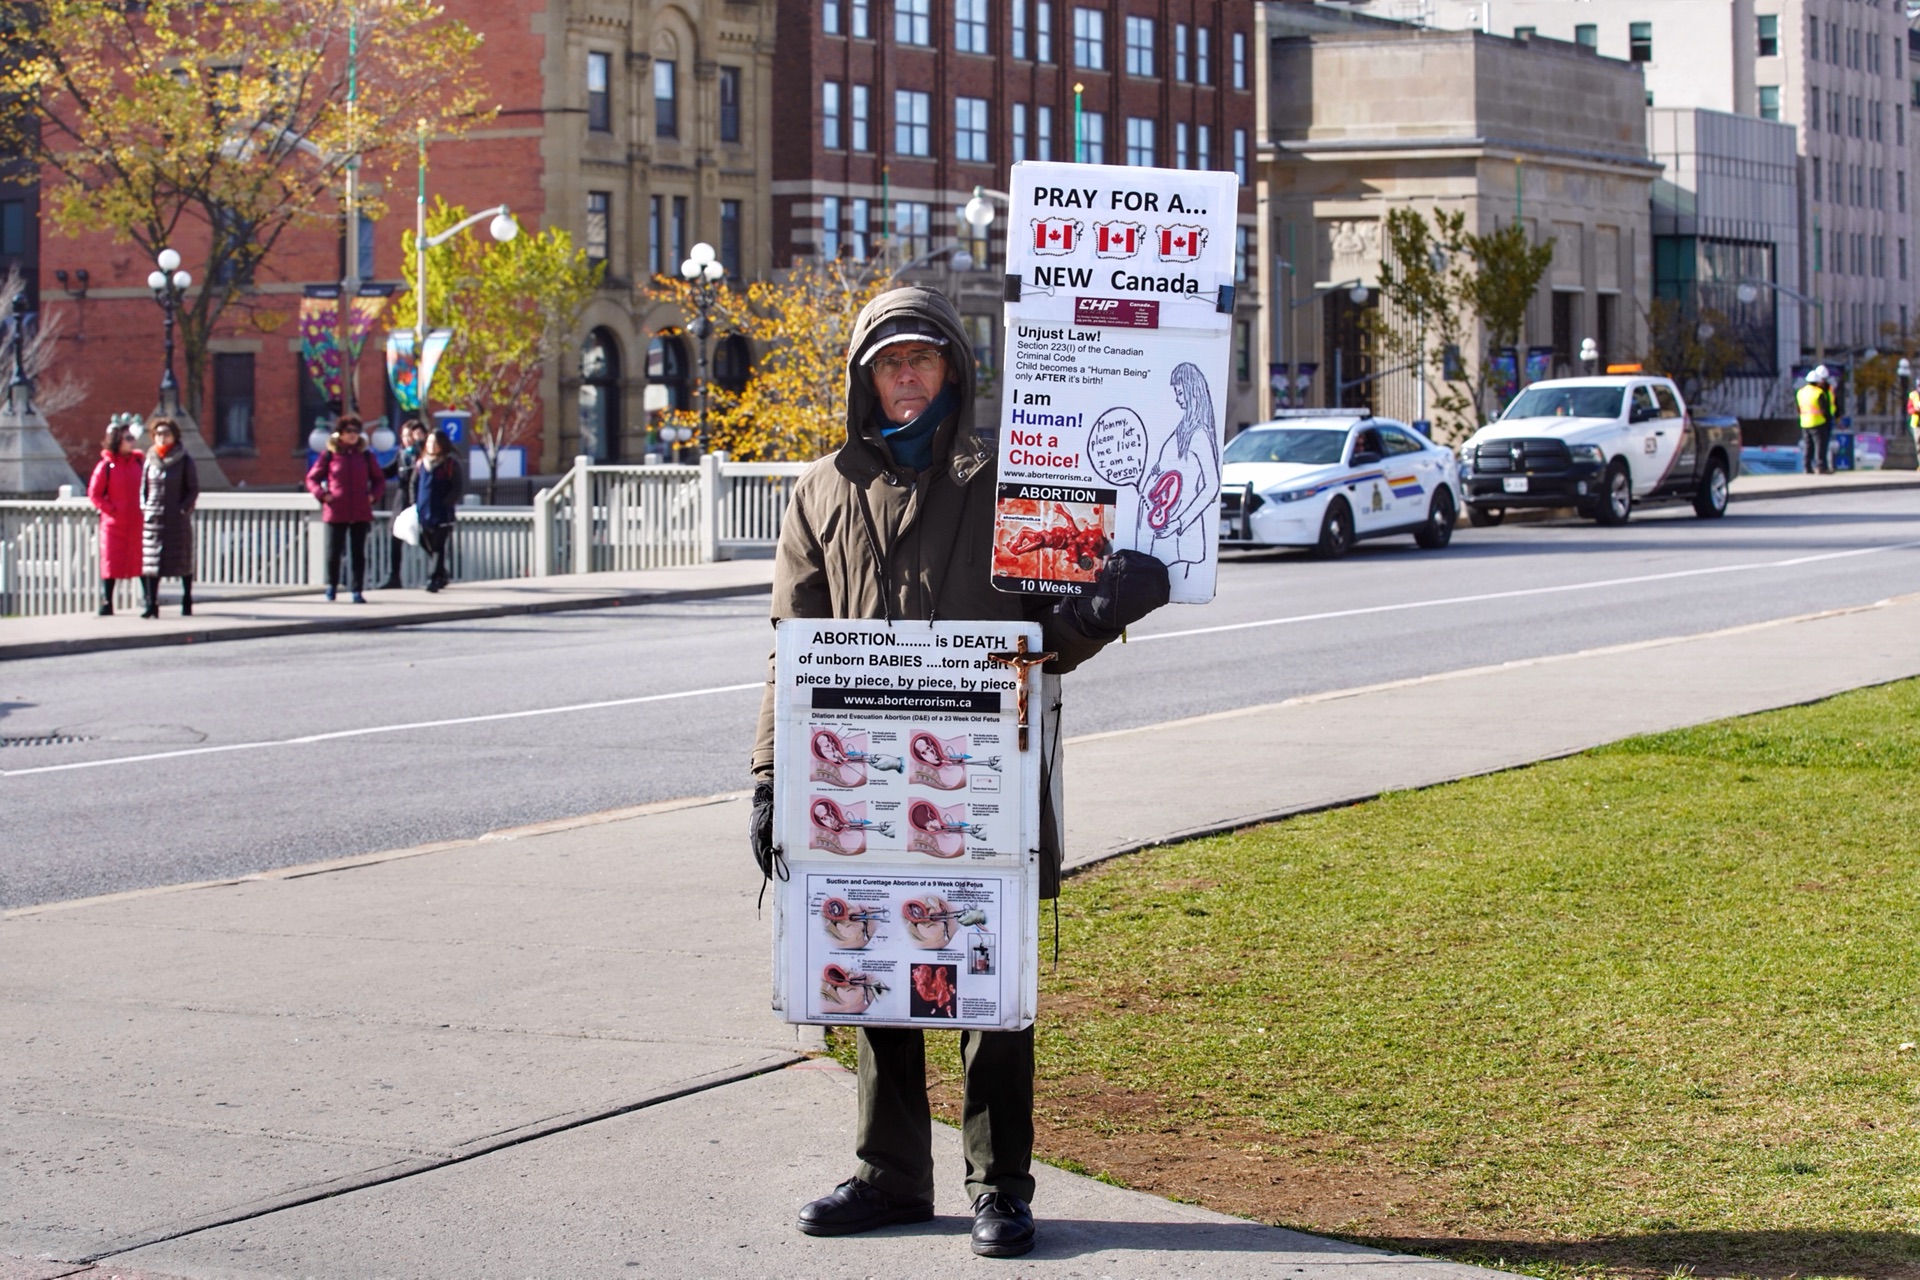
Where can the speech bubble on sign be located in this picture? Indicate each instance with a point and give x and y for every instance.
(1117, 446)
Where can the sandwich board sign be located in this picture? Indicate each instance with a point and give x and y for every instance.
(1119, 320)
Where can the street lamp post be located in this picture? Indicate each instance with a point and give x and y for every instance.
(704, 272)
(168, 283)
(1748, 290)
(502, 228)
(1590, 356)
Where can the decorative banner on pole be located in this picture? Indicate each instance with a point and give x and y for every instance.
(409, 373)
(908, 806)
(319, 333)
(1120, 294)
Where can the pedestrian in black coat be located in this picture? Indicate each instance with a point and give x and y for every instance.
(169, 491)
(436, 492)
(412, 438)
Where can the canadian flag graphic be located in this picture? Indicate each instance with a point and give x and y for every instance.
(1117, 239)
(1056, 235)
(1181, 242)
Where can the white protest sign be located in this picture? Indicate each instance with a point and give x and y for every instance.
(1116, 363)
(909, 813)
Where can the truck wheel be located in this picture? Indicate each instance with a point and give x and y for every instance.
(1615, 503)
(1710, 502)
(1336, 531)
(1484, 517)
(1437, 532)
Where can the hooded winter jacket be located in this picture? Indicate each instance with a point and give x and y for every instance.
(346, 481)
(169, 490)
(864, 537)
(114, 490)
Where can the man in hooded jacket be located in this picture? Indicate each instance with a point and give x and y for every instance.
(898, 524)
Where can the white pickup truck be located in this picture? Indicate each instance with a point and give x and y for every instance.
(1600, 445)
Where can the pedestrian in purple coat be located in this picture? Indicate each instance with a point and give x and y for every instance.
(347, 480)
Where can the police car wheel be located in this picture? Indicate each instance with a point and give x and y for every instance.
(1616, 495)
(1437, 532)
(1336, 531)
(1710, 503)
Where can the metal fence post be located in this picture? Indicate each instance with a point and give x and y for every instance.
(316, 550)
(541, 553)
(582, 514)
(710, 502)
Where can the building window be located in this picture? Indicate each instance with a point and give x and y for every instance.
(599, 207)
(970, 26)
(1640, 42)
(1242, 352)
(1239, 59)
(1203, 148)
(1819, 246)
(911, 128)
(1203, 55)
(970, 130)
(1242, 250)
(1525, 33)
(233, 400)
(654, 241)
(1240, 157)
(13, 228)
(1813, 110)
(679, 241)
(1899, 125)
(666, 103)
(1900, 190)
(913, 227)
(730, 237)
(1879, 255)
(830, 17)
(1180, 65)
(1019, 132)
(1769, 24)
(913, 21)
(1833, 43)
(1903, 274)
(1816, 178)
(1769, 102)
(861, 140)
(1093, 137)
(599, 406)
(1180, 155)
(1043, 30)
(1140, 142)
(1017, 25)
(859, 230)
(1089, 40)
(830, 227)
(1587, 35)
(729, 104)
(861, 29)
(1139, 46)
(1043, 133)
(599, 105)
(830, 114)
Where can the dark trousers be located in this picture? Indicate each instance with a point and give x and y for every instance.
(894, 1138)
(348, 538)
(1814, 442)
(437, 541)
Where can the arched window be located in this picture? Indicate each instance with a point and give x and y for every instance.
(600, 396)
(732, 361)
(668, 365)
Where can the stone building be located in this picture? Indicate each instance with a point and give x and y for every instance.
(1361, 115)
(888, 115)
(640, 126)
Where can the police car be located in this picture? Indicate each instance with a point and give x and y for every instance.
(1326, 478)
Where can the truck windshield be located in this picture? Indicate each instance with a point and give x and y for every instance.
(1566, 402)
(1317, 447)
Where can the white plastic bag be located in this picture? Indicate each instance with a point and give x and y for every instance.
(406, 526)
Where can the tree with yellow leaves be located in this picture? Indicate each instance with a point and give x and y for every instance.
(793, 407)
(214, 129)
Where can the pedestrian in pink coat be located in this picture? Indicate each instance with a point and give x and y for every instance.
(114, 490)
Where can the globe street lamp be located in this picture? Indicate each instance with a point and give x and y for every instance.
(704, 273)
(168, 282)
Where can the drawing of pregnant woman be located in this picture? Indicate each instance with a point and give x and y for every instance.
(1183, 484)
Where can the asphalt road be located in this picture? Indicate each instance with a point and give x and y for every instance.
(182, 766)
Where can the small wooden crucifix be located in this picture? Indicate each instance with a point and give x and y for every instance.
(1020, 662)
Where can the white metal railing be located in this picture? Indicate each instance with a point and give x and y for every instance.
(595, 519)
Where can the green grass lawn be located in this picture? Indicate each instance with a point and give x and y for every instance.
(1642, 1009)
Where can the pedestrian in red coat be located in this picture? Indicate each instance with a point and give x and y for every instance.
(114, 490)
(347, 480)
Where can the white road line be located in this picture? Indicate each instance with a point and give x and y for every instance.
(382, 728)
(1520, 592)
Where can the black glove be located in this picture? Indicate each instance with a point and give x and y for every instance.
(760, 828)
(1129, 586)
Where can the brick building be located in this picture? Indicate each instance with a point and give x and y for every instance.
(640, 126)
(888, 114)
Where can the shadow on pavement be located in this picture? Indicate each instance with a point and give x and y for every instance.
(1771, 1255)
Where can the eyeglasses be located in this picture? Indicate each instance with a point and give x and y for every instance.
(921, 362)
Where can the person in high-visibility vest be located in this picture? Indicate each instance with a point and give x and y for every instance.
(1816, 420)
(1913, 412)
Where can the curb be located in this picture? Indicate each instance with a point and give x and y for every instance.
(1824, 490)
(348, 622)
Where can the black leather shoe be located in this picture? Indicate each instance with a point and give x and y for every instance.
(1002, 1225)
(854, 1206)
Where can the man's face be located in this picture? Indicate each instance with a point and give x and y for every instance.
(907, 376)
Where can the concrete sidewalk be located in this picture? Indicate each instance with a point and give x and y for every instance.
(251, 615)
(548, 1051)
